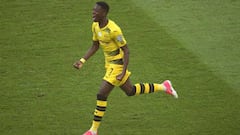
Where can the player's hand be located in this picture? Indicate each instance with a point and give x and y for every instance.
(78, 64)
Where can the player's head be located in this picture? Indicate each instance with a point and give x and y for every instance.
(100, 11)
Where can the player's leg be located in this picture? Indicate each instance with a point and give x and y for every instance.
(127, 87)
(145, 88)
(102, 96)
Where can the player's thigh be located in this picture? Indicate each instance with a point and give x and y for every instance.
(127, 87)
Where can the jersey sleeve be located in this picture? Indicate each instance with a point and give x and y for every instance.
(94, 36)
(118, 38)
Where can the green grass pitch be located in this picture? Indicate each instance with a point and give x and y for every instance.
(193, 43)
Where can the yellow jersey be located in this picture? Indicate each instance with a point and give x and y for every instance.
(111, 40)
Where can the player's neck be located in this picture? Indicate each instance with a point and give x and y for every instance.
(103, 22)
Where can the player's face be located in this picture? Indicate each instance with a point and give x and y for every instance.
(98, 13)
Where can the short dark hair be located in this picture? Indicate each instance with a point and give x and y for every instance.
(103, 5)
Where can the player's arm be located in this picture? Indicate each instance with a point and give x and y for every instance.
(125, 62)
(91, 51)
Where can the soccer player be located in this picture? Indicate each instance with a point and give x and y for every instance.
(108, 36)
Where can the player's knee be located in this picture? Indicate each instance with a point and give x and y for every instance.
(132, 92)
(129, 94)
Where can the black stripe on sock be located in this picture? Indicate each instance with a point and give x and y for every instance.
(101, 97)
(97, 118)
(101, 108)
(151, 86)
(142, 88)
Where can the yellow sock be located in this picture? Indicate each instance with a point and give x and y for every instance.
(98, 114)
(95, 126)
(145, 88)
